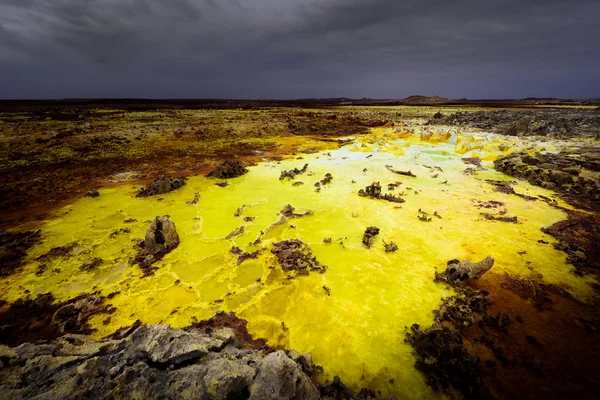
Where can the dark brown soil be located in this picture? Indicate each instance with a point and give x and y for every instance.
(223, 319)
(42, 319)
(13, 247)
(579, 237)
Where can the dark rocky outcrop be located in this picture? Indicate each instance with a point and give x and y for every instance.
(242, 255)
(369, 236)
(228, 169)
(440, 350)
(13, 248)
(295, 255)
(291, 174)
(162, 185)
(325, 181)
(544, 122)
(390, 247)
(290, 212)
(404, 173)
(444, 360)
(213, 359)
(161, 238)
(458, 272)
(575, 172)
(578, 236)
(373, 191)
(501, 218)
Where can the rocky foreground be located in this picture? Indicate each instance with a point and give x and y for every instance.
(156, 361)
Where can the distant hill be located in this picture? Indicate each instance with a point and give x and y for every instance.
(423, 100)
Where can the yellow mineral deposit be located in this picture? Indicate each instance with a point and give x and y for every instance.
(356, 330)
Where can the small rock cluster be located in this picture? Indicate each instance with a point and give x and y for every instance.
(373, 191)
(295, 255)
(162, 185)
(228, 169)
(576, 172)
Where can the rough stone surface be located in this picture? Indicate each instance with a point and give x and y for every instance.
(574, 173)
(373, 191)
(544, 122)
(161, 238)
(579, 236)
(279, 377)
(460, 272)
(228, 169)
(162, 185)
(295, 255)
(369, 236)
(291, 174)
(157, 361)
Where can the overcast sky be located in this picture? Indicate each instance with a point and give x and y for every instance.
(299, 48)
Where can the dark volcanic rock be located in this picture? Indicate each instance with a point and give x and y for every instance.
(390, 247)
(373, 191)
(501, 218)
(295, 255)
(458, 272)
(404, 173)
(369, 235)
(291, 174)
(13, 247)
(161, 238)
(574, 173)
(579, 236)
(444, 360)
(164, 184)
(228, 169)
(551, 122)
(464, 308)
(289, 212)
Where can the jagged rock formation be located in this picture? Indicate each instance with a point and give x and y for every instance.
(295, 255)
(551, 122)
(161, 238)
(153, 362)
(369, 236)
(575, 173)
(460, 272)
(373, 191)
(228, 169)
(291, 174)
(164, 184)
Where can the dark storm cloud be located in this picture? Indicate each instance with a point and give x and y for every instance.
(298, 48)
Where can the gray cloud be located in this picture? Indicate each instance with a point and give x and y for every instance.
(298, 48)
